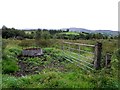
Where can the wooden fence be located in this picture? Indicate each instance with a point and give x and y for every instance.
(86, 61)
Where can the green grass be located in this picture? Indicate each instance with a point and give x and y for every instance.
(108, 45)
(54, 79)
(9, 57)
(49, 79)
(61, 75)
(70, 33)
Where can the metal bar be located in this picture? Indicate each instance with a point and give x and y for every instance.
(69, 60)
(87, 51)
(86, 57)
(82, 64)
(79, 62)
(80, 44)
(78, 54)
(83, 56)
(79, 50)
(77, 65)
(83, 61)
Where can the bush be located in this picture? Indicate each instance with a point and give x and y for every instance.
(26, 43)
(44, 43)
(15, 51)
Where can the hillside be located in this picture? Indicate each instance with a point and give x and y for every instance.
(74, 29)
(106, 32)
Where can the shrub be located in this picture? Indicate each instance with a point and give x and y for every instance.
(15, 51)
(26, 43)
(44, 42)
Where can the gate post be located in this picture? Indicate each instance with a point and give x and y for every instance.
(108, 60)
(98, 50)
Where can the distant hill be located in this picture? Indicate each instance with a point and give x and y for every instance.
(106, 32)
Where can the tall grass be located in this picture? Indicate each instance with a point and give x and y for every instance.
(70, 76)
(9, 58)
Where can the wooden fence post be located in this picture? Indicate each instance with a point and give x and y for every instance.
(108, 60)
(98, 50)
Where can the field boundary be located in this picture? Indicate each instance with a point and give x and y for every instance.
(97, 50)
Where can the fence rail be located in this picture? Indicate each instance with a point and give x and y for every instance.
(81, 58)
(80, 44)
(78, 50)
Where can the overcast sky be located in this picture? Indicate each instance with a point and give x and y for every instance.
(56, 14)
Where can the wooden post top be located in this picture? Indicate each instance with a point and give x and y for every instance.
(98, 44)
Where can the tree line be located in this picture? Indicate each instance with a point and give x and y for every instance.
(50, 34)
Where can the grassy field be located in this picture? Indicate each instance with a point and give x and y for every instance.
(28, 32)
(70, 33)
(52, 70)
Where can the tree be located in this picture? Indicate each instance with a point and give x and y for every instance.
(4, 27)
(40, 34)
(45, 35)
(67, 30)
(12, 32)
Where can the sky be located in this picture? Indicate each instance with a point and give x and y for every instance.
(57, 14)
